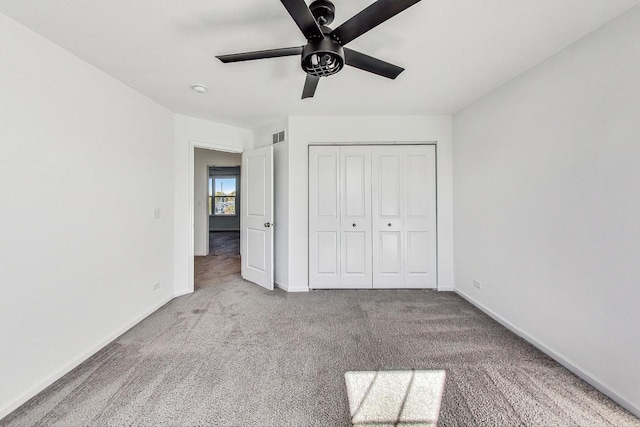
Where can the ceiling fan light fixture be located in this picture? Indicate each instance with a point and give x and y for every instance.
(322, 58)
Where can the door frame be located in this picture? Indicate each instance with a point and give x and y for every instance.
(193, 144)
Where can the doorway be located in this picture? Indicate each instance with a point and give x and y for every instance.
(256, 219)
(217, 211)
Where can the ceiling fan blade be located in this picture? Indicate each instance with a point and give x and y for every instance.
(369, 18)
(300, 13)
(310, 85)
(260, 54)
(371, 64)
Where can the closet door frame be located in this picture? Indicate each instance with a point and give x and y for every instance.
(407, 282)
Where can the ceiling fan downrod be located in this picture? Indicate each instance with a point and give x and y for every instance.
(323, 11)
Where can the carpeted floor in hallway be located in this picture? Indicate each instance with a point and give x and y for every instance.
(234, 354)
(223, 262)
(224, 243)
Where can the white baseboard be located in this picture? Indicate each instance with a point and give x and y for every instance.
(561, 359)
(286, 288)
(445, 289)
(12, 406)
(181, 293)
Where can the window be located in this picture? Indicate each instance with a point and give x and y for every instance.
(222, 196)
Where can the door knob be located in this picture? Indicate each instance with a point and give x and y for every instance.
(266, 224)
(354, 224)
(389, 224)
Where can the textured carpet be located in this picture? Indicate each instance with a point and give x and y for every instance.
(234, 354)
(224, 243)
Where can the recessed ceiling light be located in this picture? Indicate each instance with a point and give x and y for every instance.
(199, 88)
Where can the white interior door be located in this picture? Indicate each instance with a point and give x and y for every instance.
(324, 217)
(355, 193)
(257, 216)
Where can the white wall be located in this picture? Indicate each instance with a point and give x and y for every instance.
(547, 206)
(84, 162)
(202, 160)
(189, 134)
(326, 130)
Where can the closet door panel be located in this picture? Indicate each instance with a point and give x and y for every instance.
(324, 217)
(388, 182)
(417, 252)
(327, 250)
(355, 264)
(420, 216)
(355, 184)
(390, 253)
(387, 207)
(355, 180)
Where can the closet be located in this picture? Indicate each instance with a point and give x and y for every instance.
(372, 216)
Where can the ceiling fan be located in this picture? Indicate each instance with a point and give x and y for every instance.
(325, 54)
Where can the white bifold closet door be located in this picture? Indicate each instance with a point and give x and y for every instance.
(372, 217)
(404, 216)
(355, 217)
(340, 217)
(324, 217)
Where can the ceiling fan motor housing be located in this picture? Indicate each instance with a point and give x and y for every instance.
(323, 11)
(322, 58)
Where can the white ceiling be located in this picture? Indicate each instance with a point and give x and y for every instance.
(454, 51)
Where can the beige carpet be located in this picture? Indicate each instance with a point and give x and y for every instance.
(233, 354)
